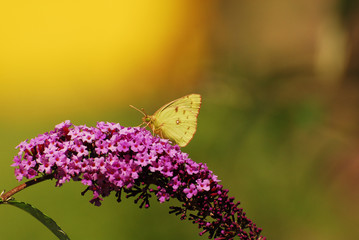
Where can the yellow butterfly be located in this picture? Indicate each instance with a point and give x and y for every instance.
(176, 121)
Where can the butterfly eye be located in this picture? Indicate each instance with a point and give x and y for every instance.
(148, 119)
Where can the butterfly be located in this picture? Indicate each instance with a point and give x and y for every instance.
(176, 120)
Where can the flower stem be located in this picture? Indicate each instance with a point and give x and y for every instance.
(6, 196)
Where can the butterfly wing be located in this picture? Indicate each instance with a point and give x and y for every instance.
(177, 120)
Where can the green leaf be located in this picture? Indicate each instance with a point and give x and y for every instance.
(47, 221)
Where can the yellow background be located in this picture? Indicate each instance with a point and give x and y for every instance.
(92, 54)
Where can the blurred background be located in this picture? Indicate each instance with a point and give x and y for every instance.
(278, 123)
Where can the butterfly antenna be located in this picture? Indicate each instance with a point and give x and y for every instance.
(141, 111)
(144, 114)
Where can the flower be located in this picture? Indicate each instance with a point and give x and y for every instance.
(203, 185)
(112, 158)
(191, 191)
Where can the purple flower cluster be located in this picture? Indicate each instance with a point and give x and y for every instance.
(110, 157)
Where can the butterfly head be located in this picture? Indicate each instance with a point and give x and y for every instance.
(147, 119)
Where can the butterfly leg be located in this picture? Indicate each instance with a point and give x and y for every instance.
(141, 124)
